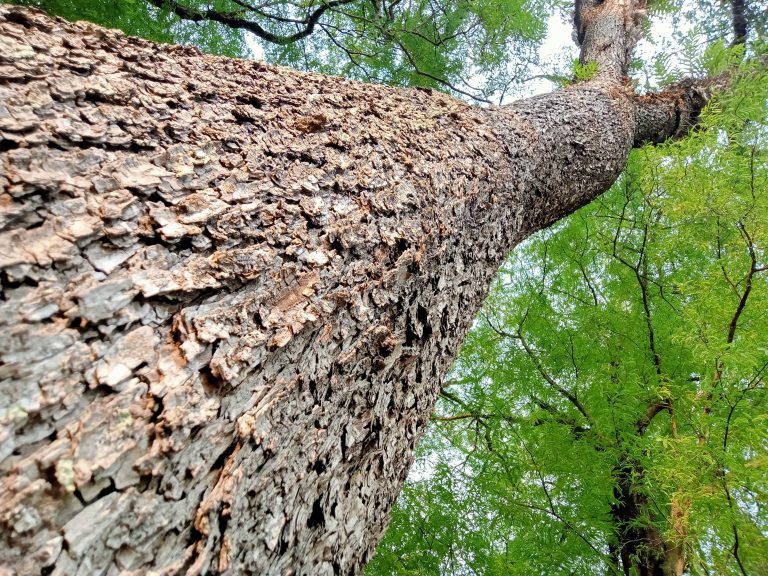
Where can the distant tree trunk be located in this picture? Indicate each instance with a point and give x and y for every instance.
(644, 550)
(230, 291)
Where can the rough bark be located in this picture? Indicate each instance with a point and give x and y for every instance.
(230, 291)
(607, 32)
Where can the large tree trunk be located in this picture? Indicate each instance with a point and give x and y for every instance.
(230, 290)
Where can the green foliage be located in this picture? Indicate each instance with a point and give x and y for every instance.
(474, 48)
(695, 38)
(584, 72)
(140, 18)
(637, 300)
(446, 45)
(718, 57)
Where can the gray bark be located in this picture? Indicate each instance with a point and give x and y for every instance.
(230, 291)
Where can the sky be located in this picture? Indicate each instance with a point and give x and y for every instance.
(558, 48)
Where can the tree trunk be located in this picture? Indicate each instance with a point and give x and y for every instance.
(230, 290)
(644, 550)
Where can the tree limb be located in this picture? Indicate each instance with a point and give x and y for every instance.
(232, 20)
(671, 113)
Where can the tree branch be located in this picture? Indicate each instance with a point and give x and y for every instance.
(671, 113)
(560, 418)
(747, 283)
(232, 20)
(564, 392)
(739, 22)
(654, 408)
(568, 525)
(607, 31)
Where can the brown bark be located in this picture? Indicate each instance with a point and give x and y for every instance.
(607, 32)
(230, 291)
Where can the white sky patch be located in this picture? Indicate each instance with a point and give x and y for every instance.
(257, 52)
(556, 52)
(559, 39)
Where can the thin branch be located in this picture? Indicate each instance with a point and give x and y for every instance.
(442, 81)
(387, 33)
(560, 418)
(568, 525)
(564, 392)
(643, 283)
(539, 474)
(747, 284)
(722, 264)
(567, 394)
(464, 416)
(734, 529)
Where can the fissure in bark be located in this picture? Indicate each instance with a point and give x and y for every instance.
(230, 290)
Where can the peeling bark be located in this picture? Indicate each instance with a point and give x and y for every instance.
(230, 291)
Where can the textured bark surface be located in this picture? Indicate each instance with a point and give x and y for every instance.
(230, 291)
(607, 32)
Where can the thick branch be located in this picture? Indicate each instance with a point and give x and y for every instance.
(672, 113)
(654, 408)
(739, 22)
(233, 20)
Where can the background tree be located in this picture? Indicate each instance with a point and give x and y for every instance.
(607, 414)
(230, 291)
